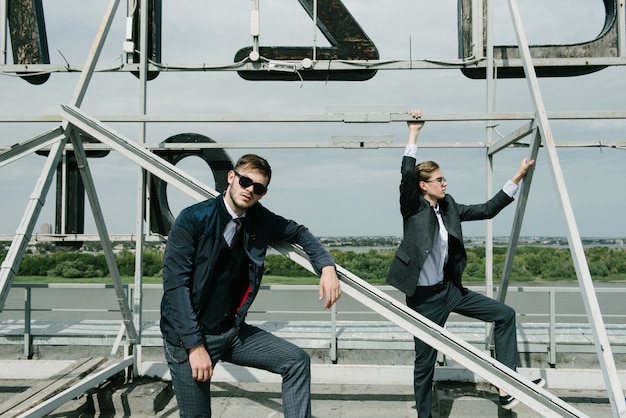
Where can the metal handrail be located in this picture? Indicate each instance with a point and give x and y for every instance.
(551, 313)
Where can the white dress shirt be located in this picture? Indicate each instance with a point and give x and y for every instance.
(231, 226)
(432, 270)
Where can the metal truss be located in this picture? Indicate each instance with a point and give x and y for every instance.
(74, 121)
(544, 134)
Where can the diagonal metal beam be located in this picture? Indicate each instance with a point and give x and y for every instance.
(90, 381)
(603, 348)
(512, 138)
(518, 220)
(107, 248)
(28, 147)
(515, 233)
(94, 54)
(138, 154)
(442, 340)
(11, 263)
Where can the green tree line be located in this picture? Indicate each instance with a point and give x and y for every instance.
(73, 264)
(530, 263)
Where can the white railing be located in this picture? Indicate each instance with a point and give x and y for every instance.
(551, 306)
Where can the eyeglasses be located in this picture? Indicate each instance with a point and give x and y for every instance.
(440, 180)
(246, 182)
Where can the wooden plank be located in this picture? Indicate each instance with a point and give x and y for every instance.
(47, 388)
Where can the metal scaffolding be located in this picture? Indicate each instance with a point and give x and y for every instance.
(74, 122)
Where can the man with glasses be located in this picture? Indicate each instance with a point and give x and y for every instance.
(430, 260)
(212, 270)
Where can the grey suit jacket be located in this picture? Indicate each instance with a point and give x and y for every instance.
(420, 227)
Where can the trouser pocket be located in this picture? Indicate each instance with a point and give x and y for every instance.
(175, 353)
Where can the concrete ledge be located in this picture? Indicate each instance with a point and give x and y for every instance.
(32, 369)
(351, 374)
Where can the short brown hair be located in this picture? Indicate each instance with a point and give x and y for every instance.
(256, 162)
(423, 170)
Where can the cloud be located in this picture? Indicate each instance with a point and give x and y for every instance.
(333, 191)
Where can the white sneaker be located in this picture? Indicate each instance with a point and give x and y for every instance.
(508, 401)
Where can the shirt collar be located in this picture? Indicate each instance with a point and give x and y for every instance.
(232, 212)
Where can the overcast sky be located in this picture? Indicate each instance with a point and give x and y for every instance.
(335, 192)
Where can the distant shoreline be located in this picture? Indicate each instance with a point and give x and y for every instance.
(394, 241)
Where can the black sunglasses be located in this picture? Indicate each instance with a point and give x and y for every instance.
(246, 182)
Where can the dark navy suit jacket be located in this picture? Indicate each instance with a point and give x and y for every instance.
(420, 227)
(191, 253)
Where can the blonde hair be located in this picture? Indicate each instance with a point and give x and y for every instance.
(424, 169)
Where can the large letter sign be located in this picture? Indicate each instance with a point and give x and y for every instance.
(28, 36)
(70, 195)
(217, 159)
(348, 40)
(154, 35)
(604, 45)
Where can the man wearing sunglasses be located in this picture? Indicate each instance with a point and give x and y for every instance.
(430, 260)
(212, 270)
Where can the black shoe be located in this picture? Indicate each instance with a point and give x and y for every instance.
(508, 401)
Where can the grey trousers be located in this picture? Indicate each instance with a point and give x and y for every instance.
(437, 307)
(249, 346)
